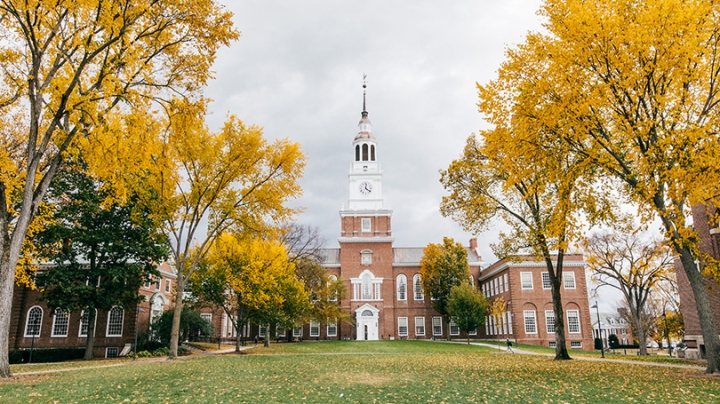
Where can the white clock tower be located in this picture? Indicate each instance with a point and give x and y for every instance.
(365, 184)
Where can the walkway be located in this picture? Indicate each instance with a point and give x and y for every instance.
(592, 359)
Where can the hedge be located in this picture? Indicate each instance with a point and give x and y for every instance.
(46, 355)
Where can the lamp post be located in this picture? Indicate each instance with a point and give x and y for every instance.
(602, 343)
(139, 310)
(35, 328)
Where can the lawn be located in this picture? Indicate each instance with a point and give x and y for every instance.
(367, 372)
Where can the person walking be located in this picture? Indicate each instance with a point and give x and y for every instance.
(509, 346)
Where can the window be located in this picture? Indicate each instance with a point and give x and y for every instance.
(262, 331)
(61, 322)
(419, 326)
(495, 286)
(332, 329)
(167, 285)
(506, 281)
(530, 323)
(34, 322)
(314, 328)
(454, 329)
(500, 285)
(417, 286)
(365, 224)
(552, 344)
(550, 321)
(546, 280)
(83, 332)
(576, 344)
(573, 321)
(357, 153)
(115, 322)
(526, 280)
(206, 316)
(372, 152)
(403, 326)
(297, 332)
(569, 280)
(148, 282)
(333, 279)
(366, 287)
(111, 352)
(365, 152)
(437, 325)
(401, 287)
(473, 332)
(366, 256)
(157, 283)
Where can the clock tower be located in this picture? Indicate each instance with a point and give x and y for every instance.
(365, 187)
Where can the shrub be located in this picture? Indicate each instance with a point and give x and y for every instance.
(161, 352)
(613, 341)
(182, 351)
(144, 354)
(47, 355)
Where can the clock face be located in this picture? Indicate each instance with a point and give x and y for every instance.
(365, 187)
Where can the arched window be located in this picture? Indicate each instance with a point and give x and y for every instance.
(333, 279)
(115, 322)
(417, 286)
(372, 153)
(84, 322)
(34, 322)
(401, 287)
(357, 153)
(365, 152)
(367, 287)
(61, 322)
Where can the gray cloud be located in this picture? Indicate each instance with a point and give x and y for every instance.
(297, 71)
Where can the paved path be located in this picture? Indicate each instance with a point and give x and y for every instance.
(593, 359)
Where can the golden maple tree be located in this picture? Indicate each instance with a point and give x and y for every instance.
(213, 183)
(88, 74)
(631, 88)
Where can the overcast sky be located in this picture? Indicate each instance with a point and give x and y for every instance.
(297, 71)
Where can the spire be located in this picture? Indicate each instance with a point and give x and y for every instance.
(364, 126)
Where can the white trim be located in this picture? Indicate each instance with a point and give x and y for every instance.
(54, 323)
(542, 280)
(122, 322)
(526, 264)
(434, 333)
(316, 325)
(527, 314)
(522, 282)
(366, 239)
(576, 314)
(403, 323)
(574, 283)
(27, 320)
(80, 333)
(422, 324)
(548, 315)
(401, 280)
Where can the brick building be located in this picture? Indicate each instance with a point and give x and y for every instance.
(524, 285)
(33, 325)
(709, 243)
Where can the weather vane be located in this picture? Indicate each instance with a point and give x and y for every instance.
(364, 80)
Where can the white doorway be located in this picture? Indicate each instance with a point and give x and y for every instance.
(366, 320)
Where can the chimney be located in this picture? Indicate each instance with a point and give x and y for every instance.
(473, 245)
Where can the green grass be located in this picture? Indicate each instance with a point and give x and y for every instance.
(367, 372)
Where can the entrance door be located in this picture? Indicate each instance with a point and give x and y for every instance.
(367, 323)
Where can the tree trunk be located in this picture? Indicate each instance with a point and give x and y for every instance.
(705, 314)
(561, 352)
(175, 330)
(7, 278)
(90, 339)
(642, 339)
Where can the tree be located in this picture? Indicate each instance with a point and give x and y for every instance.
(88, 74)
(99, 253)
(258, 283)
(634, 266)
(497, 311)
(443, 266)
(192, 325)
(537, 192)
(633, 87)
(326, 293)
(232, 181)
(467, 307)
